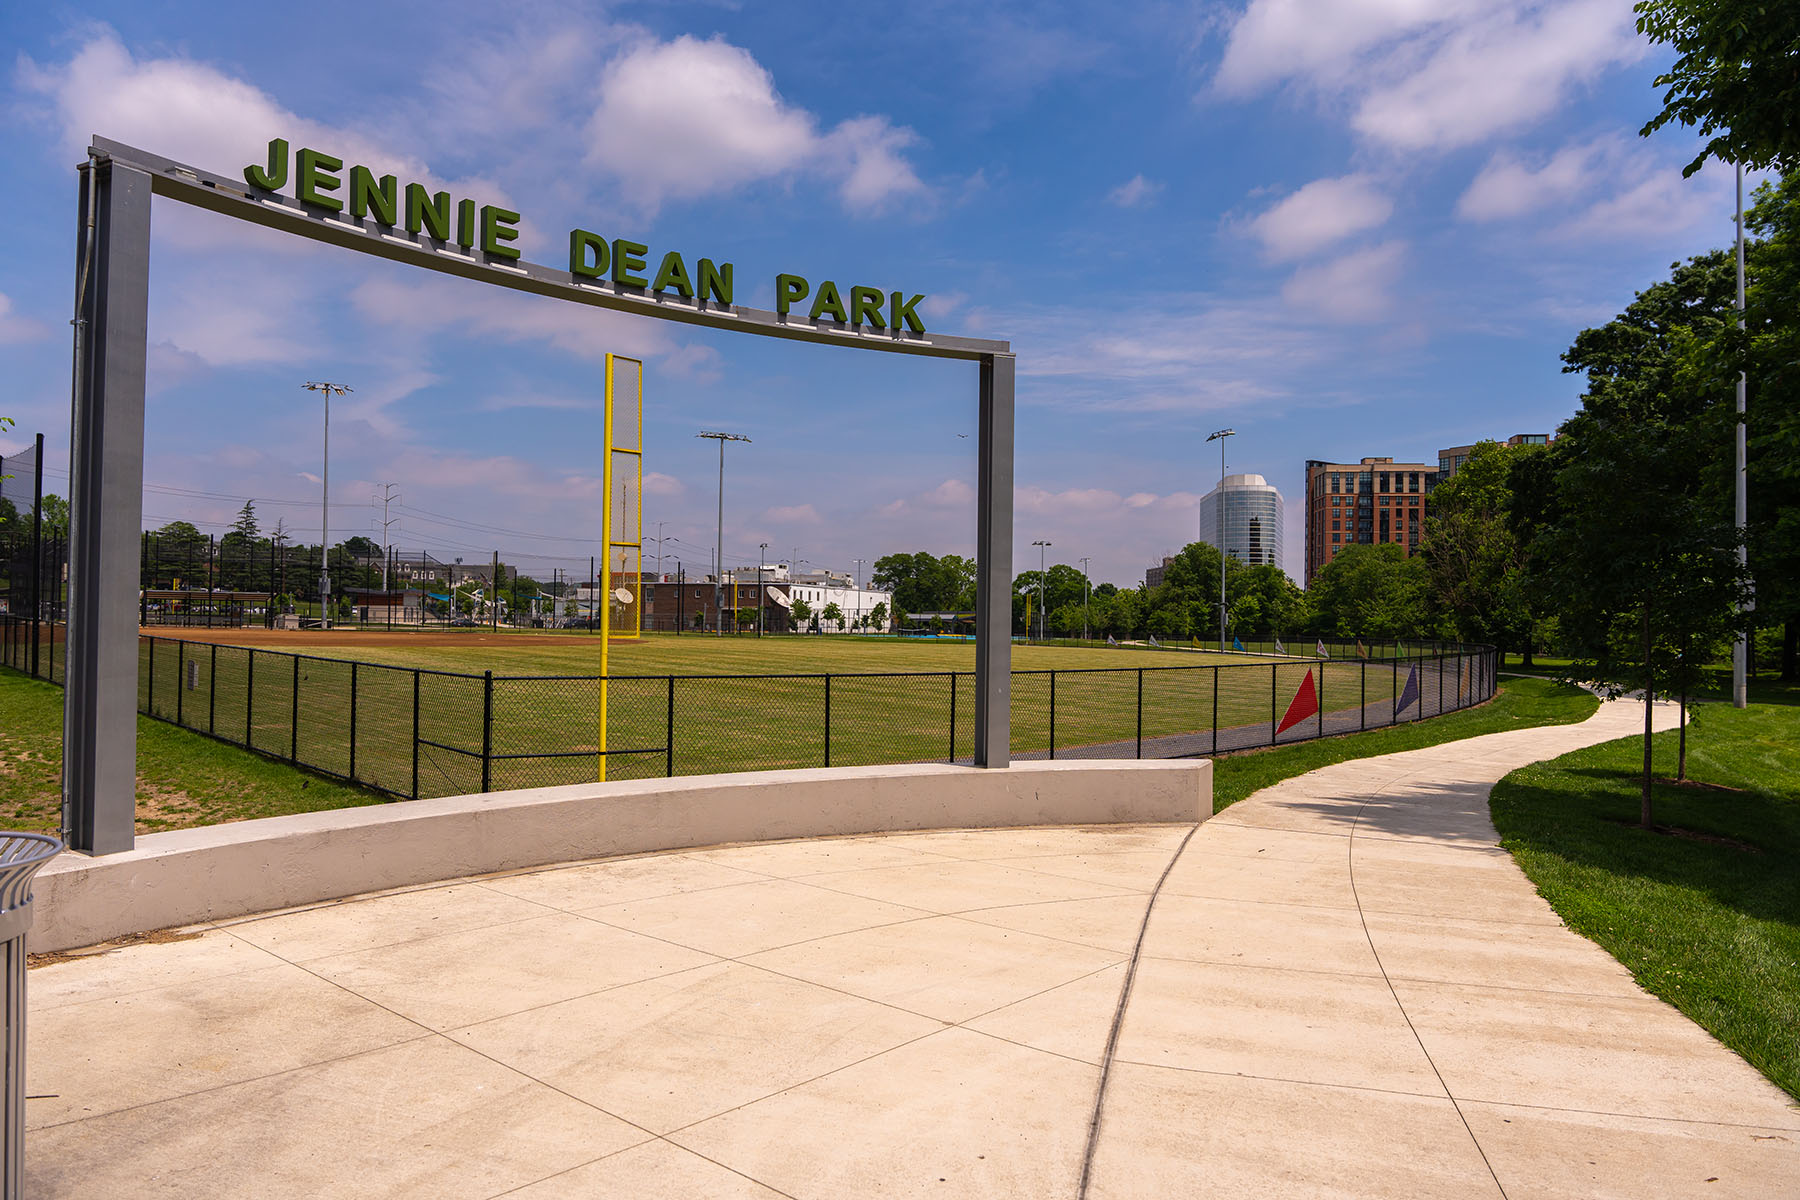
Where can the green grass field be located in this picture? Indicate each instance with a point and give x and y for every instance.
(738, 703)
(1705, 911)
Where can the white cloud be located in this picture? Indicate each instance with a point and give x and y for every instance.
(15, 327)
(692, 117)
(1322, 212)
(199, 114)
(1134, 192)
(1499, 73)
(658, 484)
(793, 514)
(1507, 187)
(1352, 289)
(1429, 74)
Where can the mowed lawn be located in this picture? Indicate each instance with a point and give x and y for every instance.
(888, 701)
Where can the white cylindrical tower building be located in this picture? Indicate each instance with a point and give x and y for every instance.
(1242, 517)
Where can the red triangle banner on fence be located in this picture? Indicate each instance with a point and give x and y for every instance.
(1304, 705)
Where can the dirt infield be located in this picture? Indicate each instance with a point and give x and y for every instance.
(306, 641)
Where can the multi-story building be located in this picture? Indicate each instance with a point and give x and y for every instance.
(1450, 460)
(1373, 502)
(1242, 518)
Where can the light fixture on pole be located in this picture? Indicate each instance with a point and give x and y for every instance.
(1086, 594)
(761, 559)
(719, 549)
(859, 590)
(1220, 437)
(1041, 623)
(327, 390)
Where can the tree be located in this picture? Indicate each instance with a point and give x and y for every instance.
(245, 526)
(802, 612)
(831, 614)
(1371, 591)
(1262, 601)
(1736, 76)
(1773, 354)
(1473, 554)
(1638, 554)
(878, 616)
(56, 518)
(921, 582)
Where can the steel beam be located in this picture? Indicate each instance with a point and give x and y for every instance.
(993, 564)
(106, 488)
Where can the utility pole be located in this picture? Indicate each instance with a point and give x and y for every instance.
(859, 590)
(659, 542)
(719, 547)
(1041, 622)
(1220, 437)
(1086, 593)
(387, 498)
(1740, 649)
(761, 559)
(328, 390)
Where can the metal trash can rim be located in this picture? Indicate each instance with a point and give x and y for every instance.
(21, 854)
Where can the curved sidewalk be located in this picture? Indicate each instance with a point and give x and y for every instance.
(1346, 990)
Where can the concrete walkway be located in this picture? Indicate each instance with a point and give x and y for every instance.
(1346, 991)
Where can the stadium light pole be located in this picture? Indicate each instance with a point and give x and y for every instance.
(1086, 594)
(859, 589)
(760, 560)
(327, 390)
(1042, 625)
(719, 548)
(1220, 437)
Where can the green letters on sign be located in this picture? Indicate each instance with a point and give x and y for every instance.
(497, 227)
(898, 312)
(788, 289)
(426, 213)
(274, 176)
(828, 302)
(629, 257)
(865, 307)
(367, 196)
(581, 242)
(673, 274)
(715, 282)
(313, 178)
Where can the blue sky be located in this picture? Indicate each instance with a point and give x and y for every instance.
(1342, 227)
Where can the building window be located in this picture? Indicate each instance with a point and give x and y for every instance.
(1337, 524)
(1337, 537)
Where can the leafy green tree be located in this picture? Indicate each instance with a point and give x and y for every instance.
(56, 518)
(1736, 76)
(802, 612)
(1473, 554)
(831, 614)
(922, 582)
(878, 616)
(1638, 552)
(1773, 367)
(1262, 601)
(245, 526)
(1372, 591)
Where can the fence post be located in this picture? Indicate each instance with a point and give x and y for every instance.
(249, 697)
(1274, 699)
(1440, 659)
(353, 720)
(1053, 715)
(669, 747)
(487, 729)
(1140, 713)
(180, 677)
(953, 716)
(1215, 712)
(828, 720)
(1321, 699)
(1394, 686)
(150, 684)
(1362, 695)
(415, 762)
(294, 717)
(212, 687)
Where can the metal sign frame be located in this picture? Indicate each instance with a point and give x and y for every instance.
(106, 458)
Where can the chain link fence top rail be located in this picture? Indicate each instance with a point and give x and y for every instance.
(414, 732)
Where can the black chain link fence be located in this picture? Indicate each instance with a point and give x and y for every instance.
(413, 732)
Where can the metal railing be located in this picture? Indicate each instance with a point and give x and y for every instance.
(412, 732)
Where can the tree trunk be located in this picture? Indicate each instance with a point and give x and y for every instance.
(1790, 650)
(1681, 754)
(1649, 705)
(1525, 653)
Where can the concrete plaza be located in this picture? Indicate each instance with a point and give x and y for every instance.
(1346, 989)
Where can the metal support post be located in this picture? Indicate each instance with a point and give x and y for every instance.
(106, 486)
(993, 564)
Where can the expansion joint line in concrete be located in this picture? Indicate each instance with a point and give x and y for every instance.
(1118, 1021)
(1362, 918)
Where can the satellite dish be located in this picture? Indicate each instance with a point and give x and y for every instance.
(622, 595)
(779, 598)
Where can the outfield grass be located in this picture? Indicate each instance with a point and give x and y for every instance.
(1704, 912)
(738, 703)
(183, 779)
(1519, 704)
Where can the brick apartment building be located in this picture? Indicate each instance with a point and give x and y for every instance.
(1373, 502)
(1453, 458)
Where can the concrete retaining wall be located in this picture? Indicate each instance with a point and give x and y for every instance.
(194, 875)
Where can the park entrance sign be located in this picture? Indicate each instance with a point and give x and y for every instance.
(421, 229)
